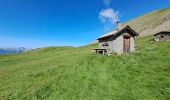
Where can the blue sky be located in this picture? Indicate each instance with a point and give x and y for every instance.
(42, 23)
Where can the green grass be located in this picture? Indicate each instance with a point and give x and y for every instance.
(68, 73)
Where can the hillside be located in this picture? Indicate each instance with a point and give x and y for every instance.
(151, 23)
(68, 73)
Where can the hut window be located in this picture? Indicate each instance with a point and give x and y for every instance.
(162, 36)
(105, 44)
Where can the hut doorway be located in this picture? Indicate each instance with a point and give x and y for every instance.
(126, 47)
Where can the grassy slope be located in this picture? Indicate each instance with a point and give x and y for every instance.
(74, 73)
(151, 23)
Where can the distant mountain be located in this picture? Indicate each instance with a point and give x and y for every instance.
(12, 50)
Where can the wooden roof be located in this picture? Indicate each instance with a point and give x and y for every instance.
(115, 32)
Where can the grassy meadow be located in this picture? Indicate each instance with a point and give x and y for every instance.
(69, 73)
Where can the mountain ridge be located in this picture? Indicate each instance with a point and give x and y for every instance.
(12, 50)
(151, 23)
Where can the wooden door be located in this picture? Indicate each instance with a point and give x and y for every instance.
(126, 44)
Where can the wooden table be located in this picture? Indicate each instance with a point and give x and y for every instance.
(101, 51)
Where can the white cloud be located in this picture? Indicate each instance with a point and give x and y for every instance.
(109, 16)
(107, 2)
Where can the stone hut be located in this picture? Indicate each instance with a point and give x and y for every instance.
(162, 36)
(121, 40)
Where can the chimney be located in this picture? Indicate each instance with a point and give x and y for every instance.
(119, 26)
